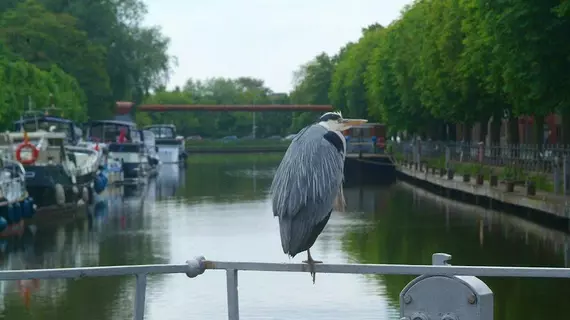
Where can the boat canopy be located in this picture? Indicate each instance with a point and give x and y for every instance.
(50, 124)
(108, 131)
(167, 131)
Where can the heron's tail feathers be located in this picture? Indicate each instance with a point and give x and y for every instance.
(339, 202)
(285, 231)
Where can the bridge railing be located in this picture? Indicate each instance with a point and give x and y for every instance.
(442, 291)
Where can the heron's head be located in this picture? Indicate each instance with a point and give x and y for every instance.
(334, 121)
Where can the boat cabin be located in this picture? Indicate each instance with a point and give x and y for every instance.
(47, 123)
(163, 131)
(113, 131)
(366, 137)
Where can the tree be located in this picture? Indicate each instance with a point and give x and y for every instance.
(46, 39)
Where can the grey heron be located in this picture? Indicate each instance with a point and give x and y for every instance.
(308, 183)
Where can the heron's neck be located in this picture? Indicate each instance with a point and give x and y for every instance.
(325, 124)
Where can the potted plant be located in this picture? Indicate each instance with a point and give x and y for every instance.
(480, 177)
(531, 186)
(466, 177)
(450, 174)
(510, 176)
(493, 179)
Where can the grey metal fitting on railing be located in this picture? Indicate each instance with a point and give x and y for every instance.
(196, 267)
(432, 297)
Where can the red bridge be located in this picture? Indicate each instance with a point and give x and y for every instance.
(124, 107)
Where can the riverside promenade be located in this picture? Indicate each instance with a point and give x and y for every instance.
(526, 179)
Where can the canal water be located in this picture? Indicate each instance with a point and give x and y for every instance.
(219, 208)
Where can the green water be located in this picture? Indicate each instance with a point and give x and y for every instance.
(219, 208)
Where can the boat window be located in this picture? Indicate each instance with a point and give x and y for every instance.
(55, 142)
(106, 132)
(162, 132)
(30, 126)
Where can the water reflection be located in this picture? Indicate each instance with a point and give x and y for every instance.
(416, 224)
(221, 210)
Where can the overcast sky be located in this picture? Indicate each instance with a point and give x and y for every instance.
(266, 39)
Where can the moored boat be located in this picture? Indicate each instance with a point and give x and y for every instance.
(126, 149)
(171, 147)
(152, 152)
(15, 203)
(56, 174)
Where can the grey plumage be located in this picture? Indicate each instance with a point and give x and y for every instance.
(305, 186)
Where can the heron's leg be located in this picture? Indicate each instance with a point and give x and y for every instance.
(311, 264)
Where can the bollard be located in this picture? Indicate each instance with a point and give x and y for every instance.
(446, 297)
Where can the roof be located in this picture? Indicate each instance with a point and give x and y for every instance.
(116, 122)
(44, 118)
(161, 126)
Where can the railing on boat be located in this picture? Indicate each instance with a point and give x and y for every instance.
(442, 291)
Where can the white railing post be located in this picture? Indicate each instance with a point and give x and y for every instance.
(233, 297)
(140, 296)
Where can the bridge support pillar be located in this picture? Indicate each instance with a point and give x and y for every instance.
(446, 297)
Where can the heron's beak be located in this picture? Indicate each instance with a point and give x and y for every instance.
(354, 122)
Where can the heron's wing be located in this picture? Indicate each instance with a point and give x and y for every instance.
(309, 177)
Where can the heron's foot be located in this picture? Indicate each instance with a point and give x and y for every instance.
(311, 264)
(312, 261)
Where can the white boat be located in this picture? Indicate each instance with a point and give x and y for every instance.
(171, 147)
(15, 203)
(61, 168)
(56, 173)
(127, 152)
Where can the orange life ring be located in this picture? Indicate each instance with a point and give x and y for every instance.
(27, 145)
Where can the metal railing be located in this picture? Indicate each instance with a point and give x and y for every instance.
(549, 164)
(531, 157)
(436, 289)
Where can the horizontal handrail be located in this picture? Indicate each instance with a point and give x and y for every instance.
(71, 273)
(394, 269)
(199, 265)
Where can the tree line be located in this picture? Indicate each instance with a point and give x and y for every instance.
(86, 54)
(450, 62)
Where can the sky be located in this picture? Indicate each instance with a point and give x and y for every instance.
(264, 39)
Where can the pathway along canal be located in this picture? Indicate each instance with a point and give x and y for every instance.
(219, 208)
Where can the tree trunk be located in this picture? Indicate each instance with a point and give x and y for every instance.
(467, 130)
(496, 124)
(484, 126)
(539, 131)
(565, 126)
(514, 137)
(452, 132)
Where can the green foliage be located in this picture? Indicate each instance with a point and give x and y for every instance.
(446, 62)
(100, 43)
(21, 82)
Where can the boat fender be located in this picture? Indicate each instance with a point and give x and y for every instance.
(17, 215)
(85, 195)
(4, 209)
(59, 194)
(32, 205)
(3, 224)
(26, 208)
(75, 190)
(100, 183)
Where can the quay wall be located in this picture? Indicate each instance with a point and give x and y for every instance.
(544, 208)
